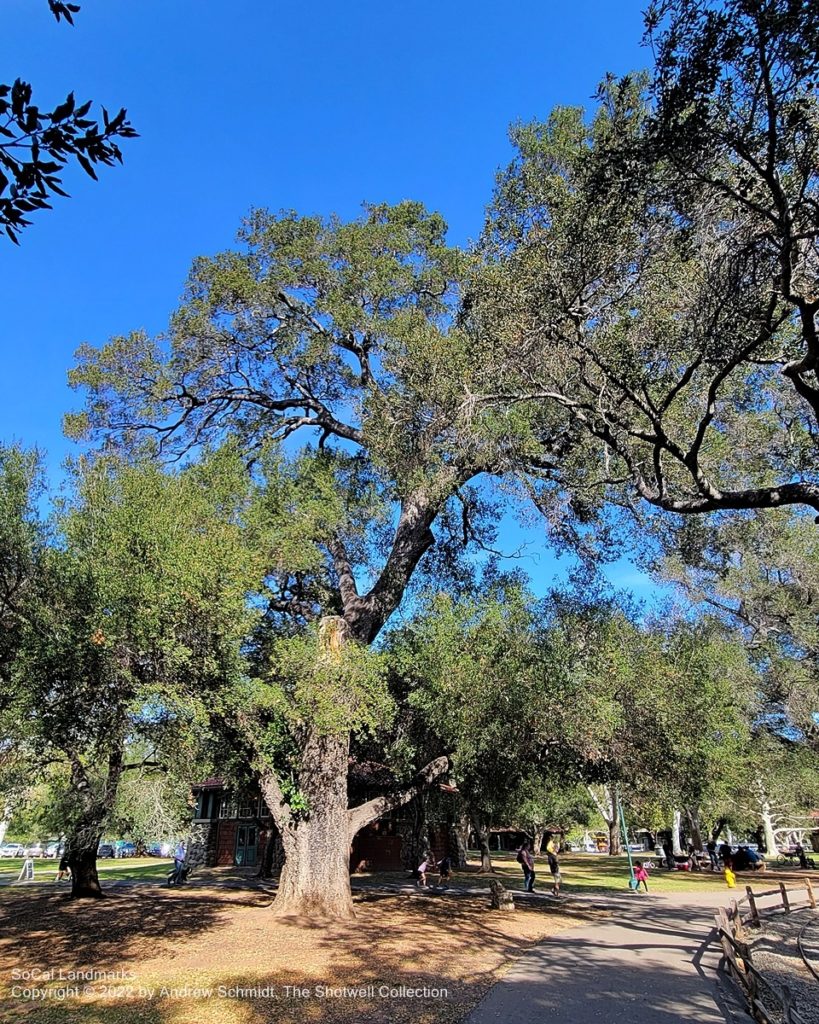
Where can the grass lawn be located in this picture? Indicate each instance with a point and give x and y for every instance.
(594, 873)
(45, 868)
(171, 950)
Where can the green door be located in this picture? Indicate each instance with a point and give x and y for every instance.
(246, 843)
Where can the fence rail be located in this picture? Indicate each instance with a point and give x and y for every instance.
(731, 927)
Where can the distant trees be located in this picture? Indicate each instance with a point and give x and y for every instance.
(36, 144)
(486, 679)
(128, 609)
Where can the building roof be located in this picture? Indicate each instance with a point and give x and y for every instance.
(212, 783)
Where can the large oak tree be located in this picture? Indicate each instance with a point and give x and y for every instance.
(345, 333)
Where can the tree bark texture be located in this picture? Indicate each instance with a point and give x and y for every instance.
(615, 840)
(676, 838)
(768, 827)
(603, 798)
(96, 801)
(693, 815)
(482, 833)
(85, 881)
(315, 879)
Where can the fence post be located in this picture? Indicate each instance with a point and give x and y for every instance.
(736, 917)
(785, 901)
(752, 905)
(809, 890)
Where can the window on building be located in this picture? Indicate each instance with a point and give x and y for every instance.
(207, 804)
(228, 808)
(247, 805)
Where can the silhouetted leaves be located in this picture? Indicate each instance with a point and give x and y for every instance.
(36, 145)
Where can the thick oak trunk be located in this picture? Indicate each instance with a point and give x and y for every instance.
(85, 882)
(317, 833)
(315, 879)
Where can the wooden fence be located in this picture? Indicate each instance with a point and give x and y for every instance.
(732, 924)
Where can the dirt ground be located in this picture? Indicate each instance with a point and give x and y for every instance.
(423, 959)
(775, 953)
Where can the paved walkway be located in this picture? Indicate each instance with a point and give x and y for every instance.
(653, 962)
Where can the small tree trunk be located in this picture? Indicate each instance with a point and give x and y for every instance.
(615, 840)
(85, 882)
(537, 842)
(716, 831)
(463, 829)
(482, 832)
(603, 797)
(768, 827)
(266, 866)
(693, 815)
(5, 817)
(676, 845)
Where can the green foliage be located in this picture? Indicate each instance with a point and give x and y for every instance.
(152, 806)
(339, 692)
(130, 619)
(760, 573)
(651, 271)
(486, 680)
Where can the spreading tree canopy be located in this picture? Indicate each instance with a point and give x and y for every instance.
(653, 270)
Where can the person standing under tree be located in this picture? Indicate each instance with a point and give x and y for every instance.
(63, 869)
(527, 862)
(179, 860)
(554, 867)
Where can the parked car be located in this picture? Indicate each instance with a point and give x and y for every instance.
(105, 850)
(53, 850)
(124, 849)
(35, 850)
(11, 850)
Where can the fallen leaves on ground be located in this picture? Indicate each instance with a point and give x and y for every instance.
(444, 952)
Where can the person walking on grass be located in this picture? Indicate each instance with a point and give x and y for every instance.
(63, 869)
(554, 868)
(641, 874)
(527, 862)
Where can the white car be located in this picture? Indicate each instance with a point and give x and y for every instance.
(11, 850)
(35, 850)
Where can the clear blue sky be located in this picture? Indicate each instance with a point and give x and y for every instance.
(311, 106)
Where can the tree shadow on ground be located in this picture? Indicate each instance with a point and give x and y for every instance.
(425, 961)
(43, 929)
